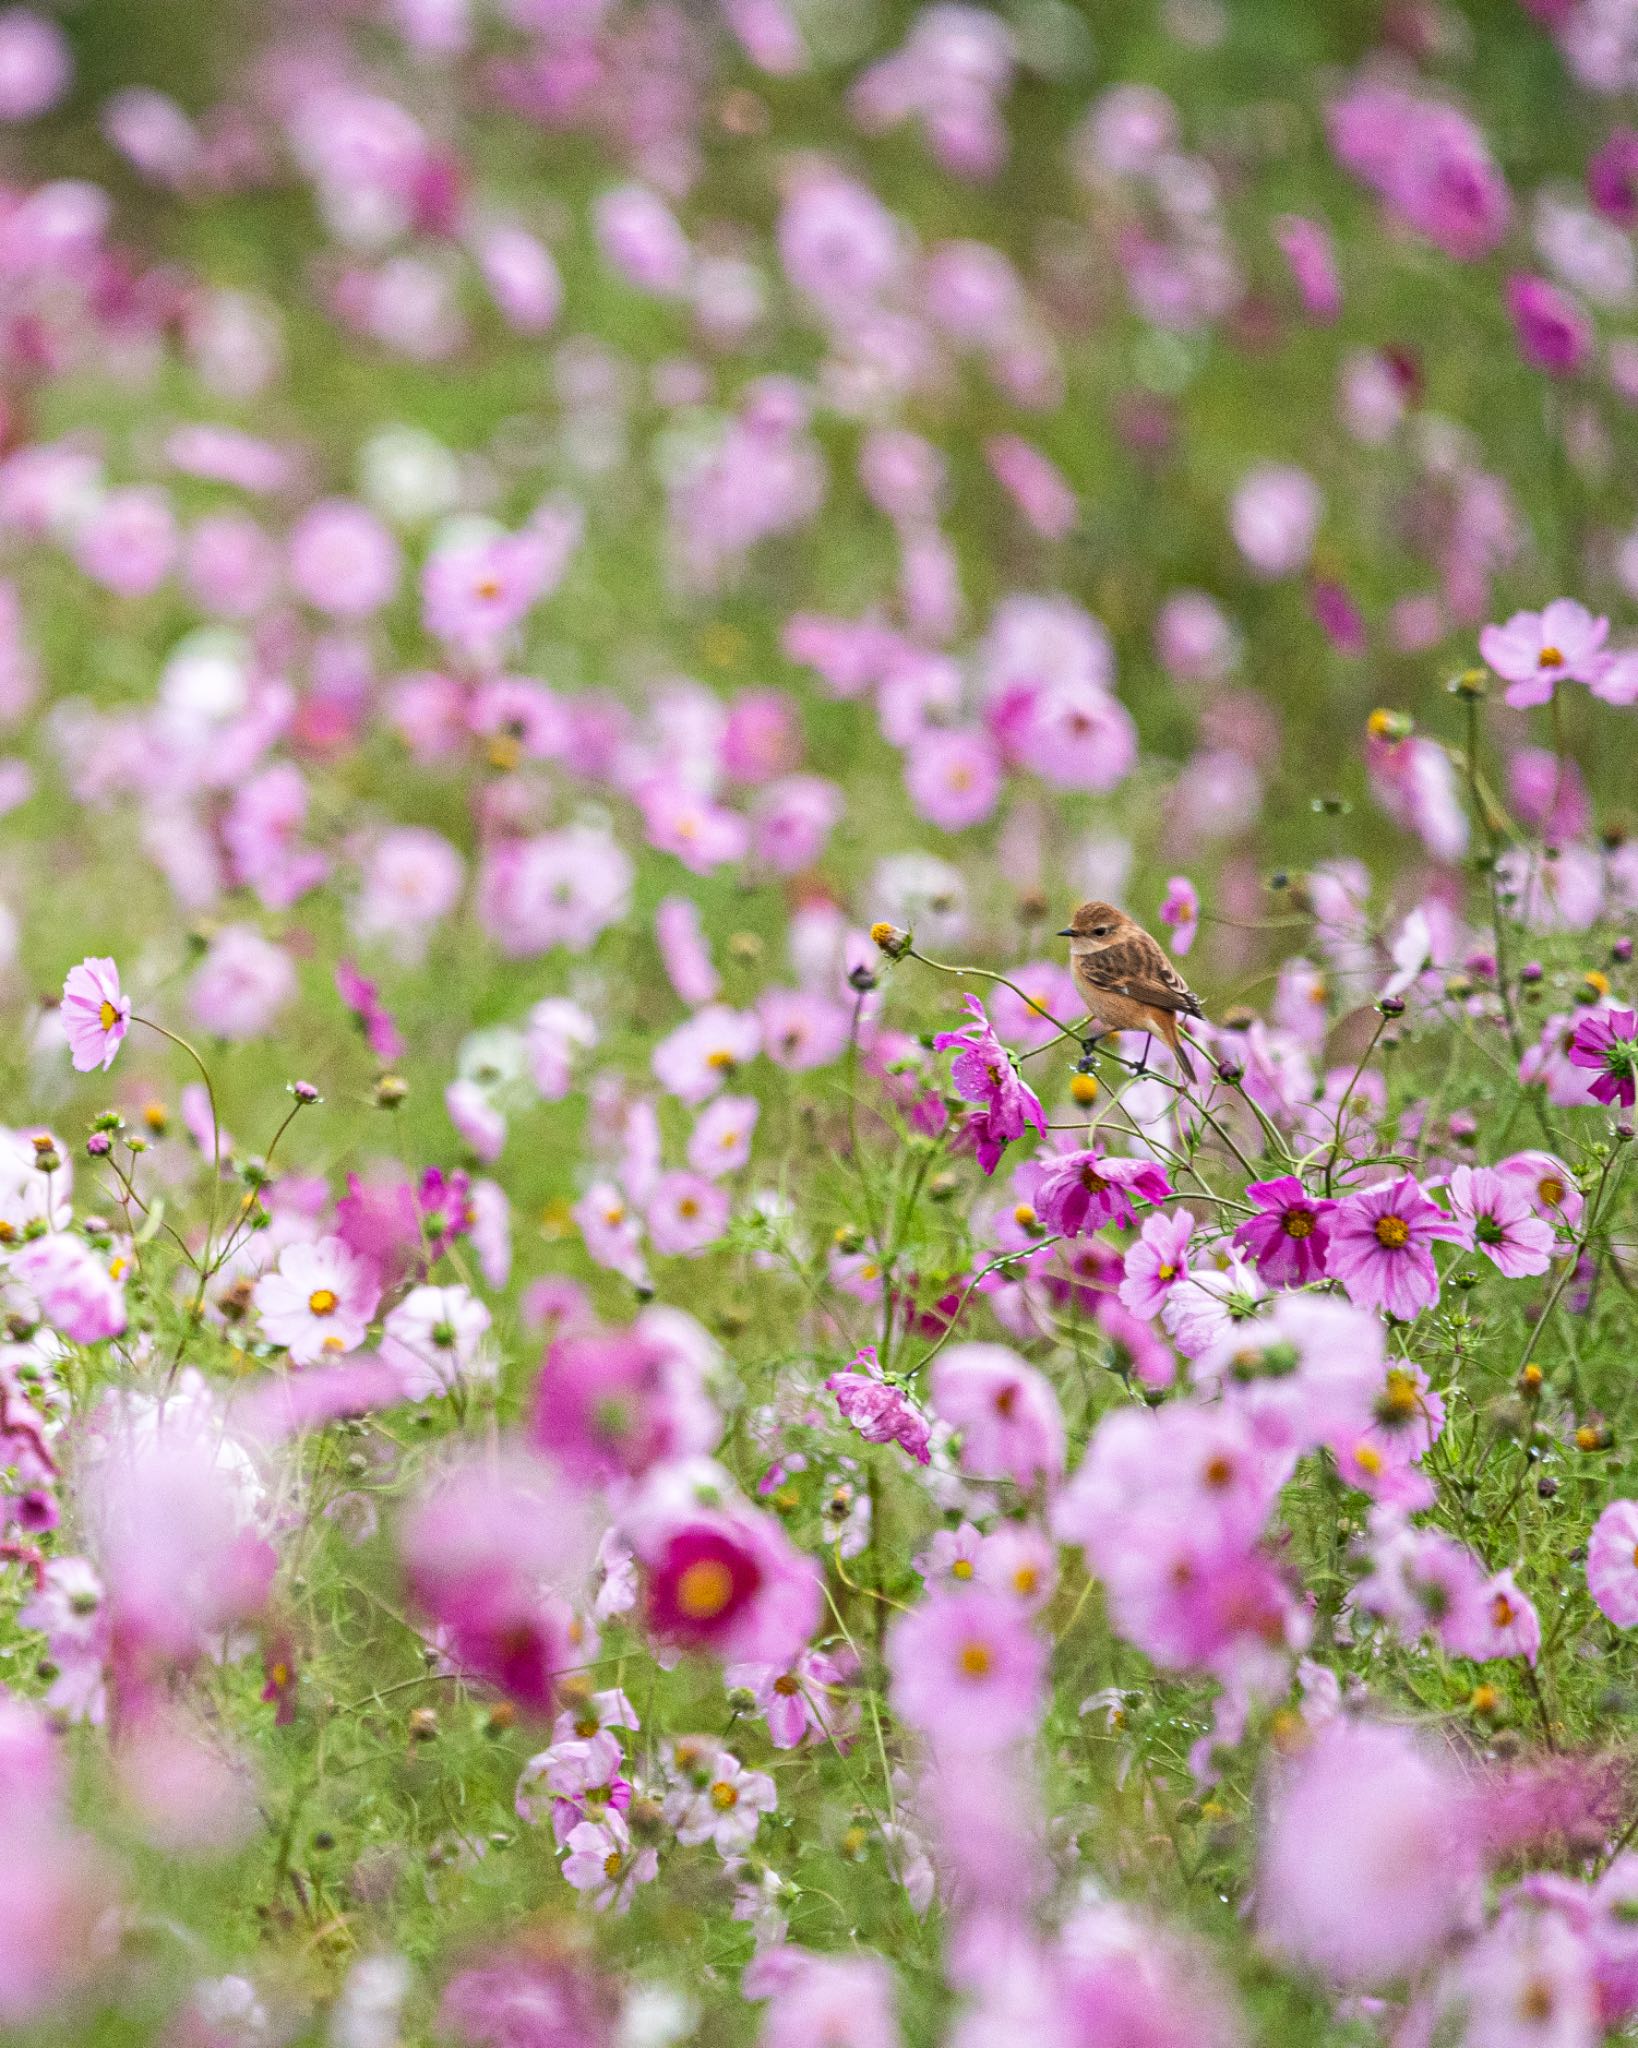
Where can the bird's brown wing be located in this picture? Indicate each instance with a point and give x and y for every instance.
(1139, 969)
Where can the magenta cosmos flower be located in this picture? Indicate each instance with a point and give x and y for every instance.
(881, 1412)
(1289, 1238)
(730, 1582)
(1536, 650)
(1612, 1563)
(967, 1669)
(1081, 1191)
(1382, 1247)
(1608, 1044)
(96, 1014)
(983, 1072)
(1552, 331)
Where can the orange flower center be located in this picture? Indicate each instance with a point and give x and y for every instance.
(975, 1660)
(704, 1588)
(1549, 657)
(323, 1301)
(1393, 1232)
(723, 1797)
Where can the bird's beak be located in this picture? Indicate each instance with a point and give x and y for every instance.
(1068, 932)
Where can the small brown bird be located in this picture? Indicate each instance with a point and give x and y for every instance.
(1125, 979)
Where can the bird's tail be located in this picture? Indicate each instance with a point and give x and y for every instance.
(1181, 1055)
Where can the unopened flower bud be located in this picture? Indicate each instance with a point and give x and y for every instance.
(390, 1091)
(861, 980)
(305, 1093)
(1472, 683)
(893, 942)
(1531, 972)
(1083, 1088)
(1391, 1006)
(99, 1145)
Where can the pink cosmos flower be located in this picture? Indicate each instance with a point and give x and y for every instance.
(318, 1300)
(1275, 517)
(695, 1060)
(967, 1670)
(373, 1018)
(1548, 1184)
(729, 1582)
(725, 1810)
(1552, 330)
(830, 2001)
(685, 1214)
(434, 1340)
(1156, 1263)
(1180, 911)
(1607, 1044)
(1010, 1422)
(1612, 1563)
(603, 1865)
(1536, 650)
(76, 1291)
(474, 593)
(684, 951)
(1503, 1225)
(983, 1072)
(1381, 1247)
(241, 984)
(954, 776)
(881, 1412)
(96, 1014)
(1289, 1240)
(1368, 1861)
(794, 1699)
(491, 1547)
(1079, 1192)
(612, 1403)
(343, 561)
(1501, 1622)
(720, 1141)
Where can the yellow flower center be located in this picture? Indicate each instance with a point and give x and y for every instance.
(107, 1016)
(1298, 1223)
(1368, 1458)
(723, 1796)
(1393, 1232)
(688, 1208)
(1550, 657)
(975, 1660)
(613, 1863)
(1166, 1273)
(719, 1059)
(1551, 1190)
(704, 1588)
(323, 1301)
(962, 1568)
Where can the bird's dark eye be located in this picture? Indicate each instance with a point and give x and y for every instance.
(1100, 931)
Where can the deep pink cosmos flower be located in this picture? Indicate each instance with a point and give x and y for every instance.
(967, 1669)
(728, 1581)
(1381, 1247)
(1536, 650)
(1553, 332)
(1082, 1191)
(1290, 1237)
(1612, 1563)
(363, 1000)
(881, 1412)
(1497, 1211)
(1607, 1043)
(982, 1072)
(611, 1403)
(96, 1014)
(491, 1549)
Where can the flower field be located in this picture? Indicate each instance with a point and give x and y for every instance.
(816, 1218)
